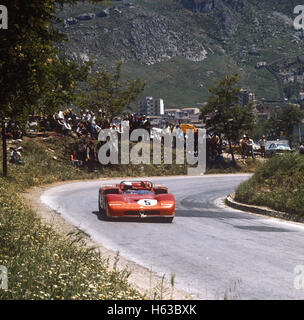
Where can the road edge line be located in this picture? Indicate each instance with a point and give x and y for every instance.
(230, 202)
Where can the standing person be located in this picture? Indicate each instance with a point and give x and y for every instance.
(243, 144)
(147, 124)
(262, 143)
(88, 115)
(167, 128)
(81, 153)
(91, 156)
(250, 146)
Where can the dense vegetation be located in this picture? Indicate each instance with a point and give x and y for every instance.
(278, 184)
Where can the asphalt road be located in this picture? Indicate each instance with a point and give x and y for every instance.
(214, 251)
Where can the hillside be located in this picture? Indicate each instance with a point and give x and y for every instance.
(182, 46)
(278, 184)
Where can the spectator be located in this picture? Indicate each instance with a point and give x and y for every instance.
(250, 146)
(243, 143)
(66, 127)
(73, 158)
(16, 156)
(91, 156)
(247, 147)
(262, 143)
(81, 153)
(74, 161)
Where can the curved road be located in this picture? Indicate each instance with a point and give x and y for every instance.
(214, 251)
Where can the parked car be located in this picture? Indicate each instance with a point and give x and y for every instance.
(256, 149)
(278, 148)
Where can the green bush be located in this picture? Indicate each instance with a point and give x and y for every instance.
(278, 184)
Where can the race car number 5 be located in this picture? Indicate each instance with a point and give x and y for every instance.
(147, 202)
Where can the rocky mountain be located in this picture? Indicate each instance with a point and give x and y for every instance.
(181, 47)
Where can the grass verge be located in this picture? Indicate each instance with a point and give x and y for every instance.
(278, 184)
(41, 263)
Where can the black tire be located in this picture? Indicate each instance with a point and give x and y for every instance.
(101, 210)
(168, 220)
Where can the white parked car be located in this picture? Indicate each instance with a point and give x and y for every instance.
(256, 148)
(278, 148)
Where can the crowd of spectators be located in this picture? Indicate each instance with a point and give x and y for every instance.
(86, 126)
(89, 123)
(67, 122)
(246, 148)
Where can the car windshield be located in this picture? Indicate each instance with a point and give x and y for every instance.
(283, 145)
(138, 192)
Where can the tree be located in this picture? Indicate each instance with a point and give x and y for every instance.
(224, 114)
(291, 90)
(28, 59)
(286, 120)
(260, 129)
(109, 93)
(62, 89)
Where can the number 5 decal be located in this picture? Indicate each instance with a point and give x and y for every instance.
(147, 202)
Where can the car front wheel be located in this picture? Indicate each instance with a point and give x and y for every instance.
(102, 211)
(168, 219)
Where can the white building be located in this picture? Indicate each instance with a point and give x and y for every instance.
(187, 114)
(193, 113)
(151, 107)
(175, 114)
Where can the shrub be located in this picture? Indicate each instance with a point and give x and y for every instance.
(278, 184)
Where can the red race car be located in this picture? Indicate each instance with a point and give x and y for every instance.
(136, 199)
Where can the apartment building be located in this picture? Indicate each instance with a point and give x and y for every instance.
(246, 97)
(151, 107)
